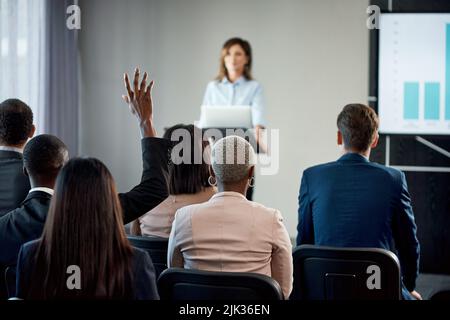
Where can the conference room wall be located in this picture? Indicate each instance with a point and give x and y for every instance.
(310, 56)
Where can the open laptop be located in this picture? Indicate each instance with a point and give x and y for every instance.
(225, 117)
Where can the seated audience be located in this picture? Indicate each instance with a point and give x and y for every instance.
(229, 232)
(188, 183)
(46, 154)
(353, 202)
(84, 228)
(16, 126)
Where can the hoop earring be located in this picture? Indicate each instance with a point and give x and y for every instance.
(210, 183)
(251, 182)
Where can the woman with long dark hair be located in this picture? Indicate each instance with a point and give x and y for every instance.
(84, 252)
(188, 182)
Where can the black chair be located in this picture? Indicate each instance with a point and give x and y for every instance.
(10, 280)
(156, 248)
(188, 284)
(329, 273)
(443, 295)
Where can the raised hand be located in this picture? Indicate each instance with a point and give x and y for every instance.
(139, 100)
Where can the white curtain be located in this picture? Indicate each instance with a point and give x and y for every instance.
(39, 64)
(22, 54)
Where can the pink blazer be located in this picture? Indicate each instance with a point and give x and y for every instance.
(230, 233)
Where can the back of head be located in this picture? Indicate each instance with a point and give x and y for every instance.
(358, 125)
(43, 156)
(16, 122)
(84, 227)
(231, 159)
(190, 175)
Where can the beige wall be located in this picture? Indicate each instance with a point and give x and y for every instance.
(311, 56)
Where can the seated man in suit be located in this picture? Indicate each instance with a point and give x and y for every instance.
(353, 202)
(16, 126)
(44, 156)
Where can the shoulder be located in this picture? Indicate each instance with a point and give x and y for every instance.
(264, 211)
(393, 174)
(28, 249)
(187, 211)
(31, 245)
(140, 256)
(318, 169)
(212, 84)
(253, 84)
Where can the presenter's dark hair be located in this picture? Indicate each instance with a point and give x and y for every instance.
(16, 122)
(84, 227)
(245, 45)
(192, 177)
(358, 123)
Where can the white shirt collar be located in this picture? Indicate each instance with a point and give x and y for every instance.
(5, 148)
(228, 194)
(43, 189)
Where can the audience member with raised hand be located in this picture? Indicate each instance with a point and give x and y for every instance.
(84, 233)
(229, 232)
(353, 202)
(188, 182)
(16, 127)
(85, 223)
(152, 189)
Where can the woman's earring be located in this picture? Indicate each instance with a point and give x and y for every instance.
(212, 184)
(251, 183)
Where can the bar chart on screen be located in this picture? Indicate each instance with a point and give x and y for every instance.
(414, 74)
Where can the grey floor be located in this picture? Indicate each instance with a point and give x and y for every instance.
(428, 284)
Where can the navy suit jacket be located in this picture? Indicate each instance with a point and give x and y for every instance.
(22, 225)
(14, 185)
(356, 203)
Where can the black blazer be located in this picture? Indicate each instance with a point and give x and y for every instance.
(153, 188)
(144, 278)
(27, 222)
(22, 225)
(14, 185)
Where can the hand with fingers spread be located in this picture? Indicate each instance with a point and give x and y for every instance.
(139, 100)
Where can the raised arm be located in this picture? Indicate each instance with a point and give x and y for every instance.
(152, 189)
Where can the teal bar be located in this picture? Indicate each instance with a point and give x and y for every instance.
(432, 100)
(411, 101)
(447, 73)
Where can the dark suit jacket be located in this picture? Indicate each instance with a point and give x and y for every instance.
(153, 188)
(356, 203)
(22, 225)
(26, 222)
(143, 273)
(14, 185)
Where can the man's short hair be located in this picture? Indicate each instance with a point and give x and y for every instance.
(358, 123)
(16, 122)
(44, 155)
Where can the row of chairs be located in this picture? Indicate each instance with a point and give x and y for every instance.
(320, 273)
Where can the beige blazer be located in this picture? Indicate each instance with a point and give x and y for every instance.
(230, 233)
(158, 221)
